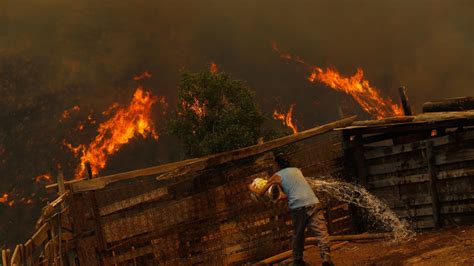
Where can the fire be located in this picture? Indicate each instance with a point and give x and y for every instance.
(45, 177)
(197, 107)
(213, 68)
(127, 123)
(287, 118)
(67, 113)
(143, 75)
(367, 96)
(4, 198)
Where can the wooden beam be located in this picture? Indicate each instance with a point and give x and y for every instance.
(431, 161)
(133, 201)
(438, 116)
(41, 235)
(420, 123)
(282, 256)
(196, 164)
(364, 236)
(452, 104)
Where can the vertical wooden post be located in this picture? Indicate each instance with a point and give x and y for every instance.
(5, 256)
(404, 99)
(88, 170)
(60, 181)
(431, 161)
(360, 161)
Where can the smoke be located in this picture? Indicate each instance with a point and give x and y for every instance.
(56, 54)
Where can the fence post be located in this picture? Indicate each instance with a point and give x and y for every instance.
(431, 162)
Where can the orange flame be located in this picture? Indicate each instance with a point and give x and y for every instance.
(67, 113)
(196, 107)
(287, 118)
(45, 177)
(367, 97)
(127, 123)
(213, 68)
(4, 198)
(143, 75)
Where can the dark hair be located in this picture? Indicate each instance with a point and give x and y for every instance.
(282, 160)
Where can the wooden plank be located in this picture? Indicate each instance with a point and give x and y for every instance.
(451, 104)
(16, 259)
(129, 255)
(399, 180)
(431, 161)
(196, 164)
(409, 163)
(455, 173)
(418, 145)
(414, 211)
(454, 156)
(133, 201)
(457, 208)
(41, 235)
(437, 116)
(387, 120)
(282, 256)
(407, 128)
(407, 200)
(456, 197)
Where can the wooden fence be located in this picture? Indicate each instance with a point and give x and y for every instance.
(197, 211)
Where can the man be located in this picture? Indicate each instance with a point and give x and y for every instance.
(305, 209)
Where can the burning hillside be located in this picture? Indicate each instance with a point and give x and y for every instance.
(127, 123)
(367, 96)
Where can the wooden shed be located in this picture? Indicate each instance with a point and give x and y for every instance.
(422, 166)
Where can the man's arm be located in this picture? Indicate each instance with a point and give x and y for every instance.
(275, 179)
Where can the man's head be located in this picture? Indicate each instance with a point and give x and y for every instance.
(282, 160)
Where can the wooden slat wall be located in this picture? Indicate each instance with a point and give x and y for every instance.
(427, 191)
(203, 218)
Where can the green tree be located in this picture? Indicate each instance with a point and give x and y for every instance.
(215, 113)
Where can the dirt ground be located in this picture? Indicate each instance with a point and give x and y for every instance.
(450, 246)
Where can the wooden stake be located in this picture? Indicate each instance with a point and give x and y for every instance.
(404, 99)
(5, 256)
(88, 170)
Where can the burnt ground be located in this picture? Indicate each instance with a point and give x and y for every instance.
(449, 246)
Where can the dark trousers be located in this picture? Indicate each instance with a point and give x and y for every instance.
(310, 217)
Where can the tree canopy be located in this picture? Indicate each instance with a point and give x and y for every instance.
(215, 113)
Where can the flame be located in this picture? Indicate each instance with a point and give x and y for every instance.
(143, 75)
(127, 123)
(45, 177)
(197, 107)
(67, 113)
(4, 198)
(213, 68)
(287, 118)
(11, 203)
(367, 96)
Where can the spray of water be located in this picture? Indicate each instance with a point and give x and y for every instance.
(360, 197)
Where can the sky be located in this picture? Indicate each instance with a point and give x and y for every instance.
(56, 54)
